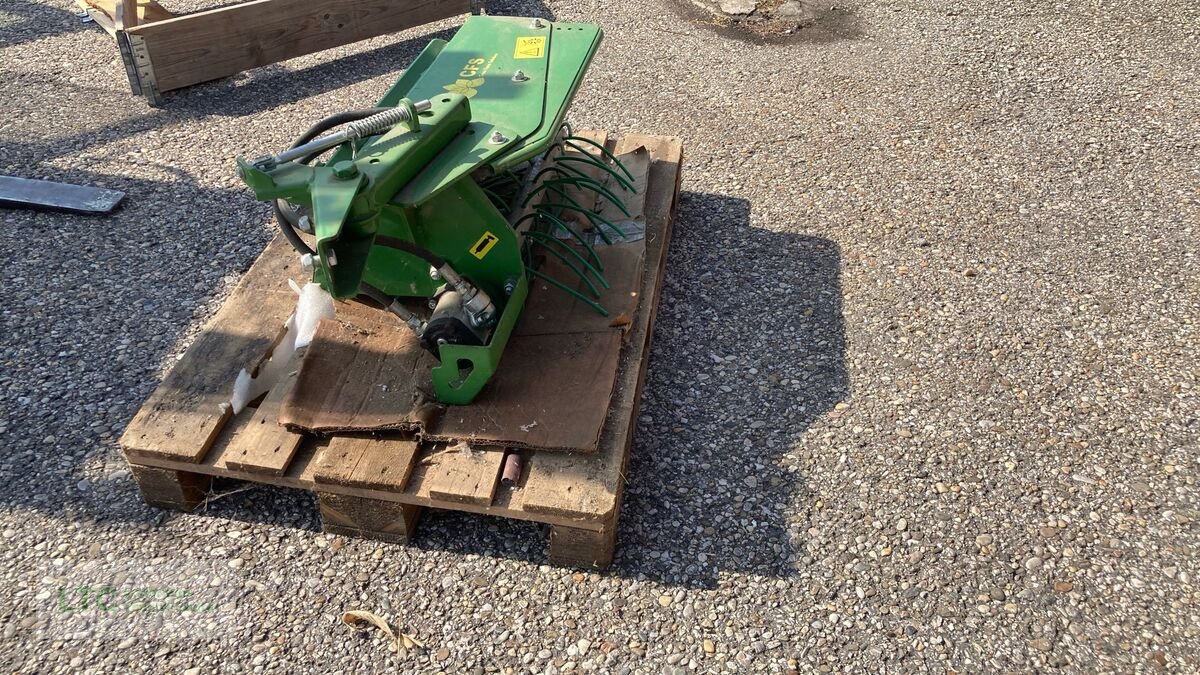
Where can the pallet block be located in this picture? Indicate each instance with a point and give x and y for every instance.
(377, 487)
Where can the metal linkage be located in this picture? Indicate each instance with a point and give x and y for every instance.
(350, 131)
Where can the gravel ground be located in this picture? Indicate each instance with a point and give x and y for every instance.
(923, 395)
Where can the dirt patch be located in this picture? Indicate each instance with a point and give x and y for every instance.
(773, 21)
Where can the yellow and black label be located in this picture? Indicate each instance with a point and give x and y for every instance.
(530, 47)
(485, 244)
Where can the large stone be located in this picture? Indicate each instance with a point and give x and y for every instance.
(789, 10)
(738, 6)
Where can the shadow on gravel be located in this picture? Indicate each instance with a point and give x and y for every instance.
(748, 352)
(22, 21)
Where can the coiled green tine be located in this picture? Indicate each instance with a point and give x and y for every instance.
(556, 169)
(542, 236)
(570, 140)
(560, 285)
(592, 216)
(527, 216)
(578, 237)
(588, 159)
(560, 206)
(580, 182)
(496, 199)
(582, 274)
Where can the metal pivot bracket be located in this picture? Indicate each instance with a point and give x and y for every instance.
(466, 369)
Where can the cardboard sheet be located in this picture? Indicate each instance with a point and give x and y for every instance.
(364, 371)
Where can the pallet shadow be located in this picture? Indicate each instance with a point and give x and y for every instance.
(749, 350)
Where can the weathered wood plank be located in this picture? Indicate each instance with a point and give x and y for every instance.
(336, 462)
(468, 476)
(386, 465)
(265, 445)
(219, 42)
(183, 416)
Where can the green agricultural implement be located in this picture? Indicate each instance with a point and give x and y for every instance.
(438, 203)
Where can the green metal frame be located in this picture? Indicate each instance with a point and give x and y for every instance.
(498, 93)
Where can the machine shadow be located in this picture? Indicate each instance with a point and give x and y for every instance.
(748, 352)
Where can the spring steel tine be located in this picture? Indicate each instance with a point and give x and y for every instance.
(570, 140)
(540, 236)
(496, 199)
(581, 182)
(574, 206)
(561, 286)
(592, 161)
(557, 254)
(578, 237)
(556, 169)
(527, 216)
(592, 216)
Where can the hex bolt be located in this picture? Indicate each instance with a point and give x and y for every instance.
(537, 23)
(497, 138)
(345, 170)
(520, 76)
(434, 273)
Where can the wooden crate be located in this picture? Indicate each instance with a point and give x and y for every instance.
(162, 51)
(377, 486)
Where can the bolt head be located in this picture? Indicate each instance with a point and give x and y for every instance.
(345, 170)
(497, 138)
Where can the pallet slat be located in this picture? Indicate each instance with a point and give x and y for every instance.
(469, 476)
(265, 446)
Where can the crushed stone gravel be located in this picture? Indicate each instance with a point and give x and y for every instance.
(923, 393)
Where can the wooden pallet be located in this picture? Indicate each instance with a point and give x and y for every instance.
(377, 486)
(162, 51)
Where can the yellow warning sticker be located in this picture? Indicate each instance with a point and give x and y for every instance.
(485, 244)
(530, 47)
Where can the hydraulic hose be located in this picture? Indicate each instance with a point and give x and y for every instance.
(376, 295)
(408, 247)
